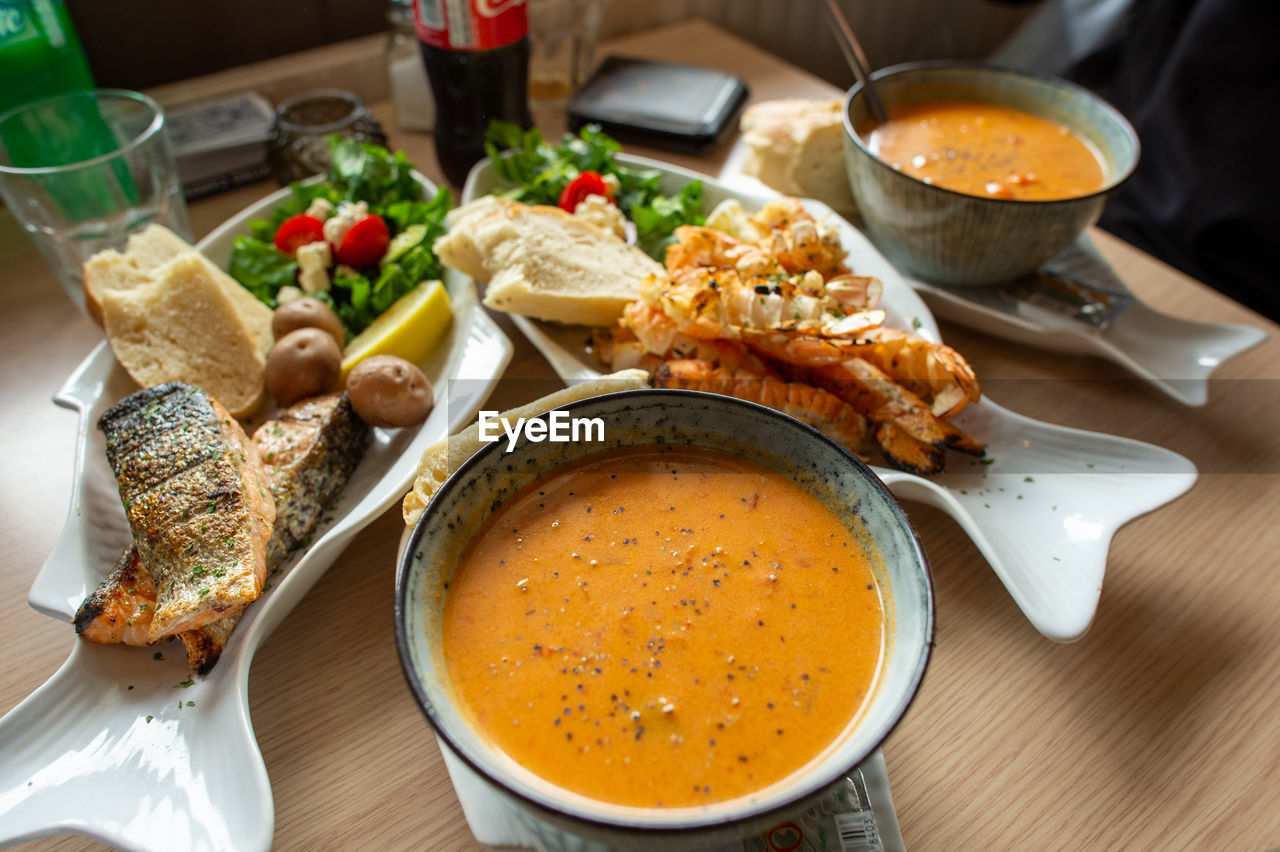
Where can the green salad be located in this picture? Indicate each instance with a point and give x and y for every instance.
(549, 174)
(381, 249)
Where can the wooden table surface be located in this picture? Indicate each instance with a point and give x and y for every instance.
(1158, 729)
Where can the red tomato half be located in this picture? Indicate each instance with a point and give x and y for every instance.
(586, 183)
(365, 243)
(298, 231)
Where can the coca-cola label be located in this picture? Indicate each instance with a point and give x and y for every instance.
(470, 24)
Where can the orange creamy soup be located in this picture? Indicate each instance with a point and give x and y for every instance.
(664, 628)
(986, 149)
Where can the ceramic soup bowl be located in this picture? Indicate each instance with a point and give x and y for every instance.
(561, 819)
(949, 237)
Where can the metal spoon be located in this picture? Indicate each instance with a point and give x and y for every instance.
(857, 59)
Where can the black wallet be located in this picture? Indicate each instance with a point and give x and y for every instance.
(661, 104)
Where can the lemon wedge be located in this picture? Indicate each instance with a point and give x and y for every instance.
(411, 328)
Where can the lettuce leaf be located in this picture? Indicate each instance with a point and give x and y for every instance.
(539, 172)
(358, 171)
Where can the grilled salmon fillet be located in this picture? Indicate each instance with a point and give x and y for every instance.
(120, 609)
(197, 499)
(309, 453)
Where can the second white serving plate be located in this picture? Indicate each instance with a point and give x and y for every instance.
(124, 744)
(1044, 503)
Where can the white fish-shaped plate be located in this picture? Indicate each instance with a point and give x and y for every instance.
(131, 748)
(1042, 506)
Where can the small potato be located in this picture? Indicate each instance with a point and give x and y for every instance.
(389, 391)
(303, 363)
(307, 313)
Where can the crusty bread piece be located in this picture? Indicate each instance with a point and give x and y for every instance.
(145, 253)
(446, 455)
(543, 262)
(797, 147)
(183, 326)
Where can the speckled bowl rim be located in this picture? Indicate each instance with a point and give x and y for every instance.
(805, 787)
(940, 65)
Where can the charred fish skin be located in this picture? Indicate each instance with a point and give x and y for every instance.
(311, 451)
(120, 609)
(197, 501)
(204, 645)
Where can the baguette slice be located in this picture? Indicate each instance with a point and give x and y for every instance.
(183, 326)
(542, 262)
(796, 146)
(145, 253)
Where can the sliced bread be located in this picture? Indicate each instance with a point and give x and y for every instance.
(796, 146)
(183, 326)
(145, 253)
(545, 263)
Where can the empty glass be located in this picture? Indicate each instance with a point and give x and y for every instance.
(83, 171)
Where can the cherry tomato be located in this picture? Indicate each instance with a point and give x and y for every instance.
(586, 183)
(365, 243)
(298, 231)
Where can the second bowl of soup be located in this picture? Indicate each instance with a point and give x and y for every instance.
(981, 174)
(669, 631)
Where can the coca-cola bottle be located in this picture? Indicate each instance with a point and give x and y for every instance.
(477, 57)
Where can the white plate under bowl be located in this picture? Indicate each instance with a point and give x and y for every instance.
(1044, 503)
(136, 751)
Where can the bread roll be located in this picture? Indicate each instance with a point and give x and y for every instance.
(543, 262)
(797, 147)
(145, 253)
(183, 326)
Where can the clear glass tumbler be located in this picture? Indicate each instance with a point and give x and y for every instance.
(83, 171)
(563, 36)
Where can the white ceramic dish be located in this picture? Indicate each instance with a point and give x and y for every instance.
(1044, 504)
(1177, 356)
(133, 750)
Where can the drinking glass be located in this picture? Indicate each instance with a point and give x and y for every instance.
(562, 37)
(82, 171)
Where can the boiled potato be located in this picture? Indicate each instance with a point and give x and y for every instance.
(305, 362)
(389, 391)
(307, 313)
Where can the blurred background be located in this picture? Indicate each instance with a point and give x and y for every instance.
(138, 44)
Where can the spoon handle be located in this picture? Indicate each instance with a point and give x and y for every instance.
(857, 59)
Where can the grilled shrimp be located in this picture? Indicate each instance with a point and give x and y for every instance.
(619, 349)
(881, 400)
(933, 371)
(712, 303)
(818, 408)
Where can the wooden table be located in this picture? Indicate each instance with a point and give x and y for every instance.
(1159, 729)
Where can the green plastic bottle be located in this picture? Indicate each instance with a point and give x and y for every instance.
(40, 53)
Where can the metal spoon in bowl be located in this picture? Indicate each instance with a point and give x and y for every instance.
(857, 60)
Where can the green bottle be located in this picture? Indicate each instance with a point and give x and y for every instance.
(40, 53)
